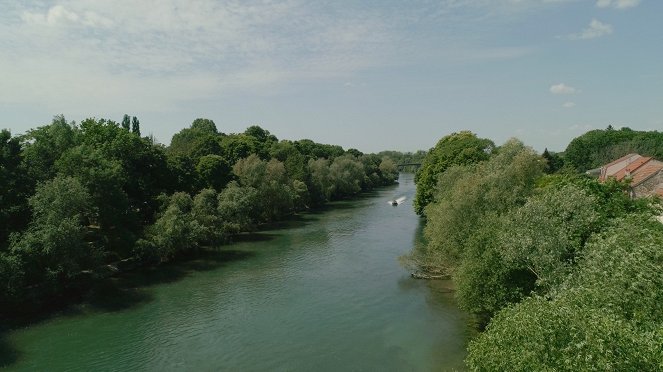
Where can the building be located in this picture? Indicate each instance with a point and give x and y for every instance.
(645, 174)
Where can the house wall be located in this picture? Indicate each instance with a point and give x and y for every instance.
(649, 186)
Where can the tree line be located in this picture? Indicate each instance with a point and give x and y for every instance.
(74, 197)
(564, 272)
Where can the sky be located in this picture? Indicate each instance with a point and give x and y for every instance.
(372, 75)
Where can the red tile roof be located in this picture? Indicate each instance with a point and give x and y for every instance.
(631, 168)
(604, 169)
(643, 173)
(638, 170)
(620, 159)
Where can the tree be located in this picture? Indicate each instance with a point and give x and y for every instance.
(143, 163)
(105, 179)
(54, 246)
(126, 122)
(606, 316)
(546, 235)
(295, 163)
(175, 231)
(204, 126)
(321, 185)
(236, 147)
(554, 162)
(388, 170)
(213, 171)
(205, 213)
(465, 194)
(236, 205)
(314, 150)
(347, 174)
(461, 148)
(271, 182)
(135, 126)
(43, 146)
(14, 188)
(200, 139)
(599, 147)
(11, 281)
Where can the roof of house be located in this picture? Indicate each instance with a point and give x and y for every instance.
(638, 168)
(627, 159)
(630, 168)
(647, 170)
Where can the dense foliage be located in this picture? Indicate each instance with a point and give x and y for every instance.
(455, 149)
(416, 157)
(565, 271)
(76, 197)
(599, 147)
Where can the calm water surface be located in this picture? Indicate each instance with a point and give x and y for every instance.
(324, 294)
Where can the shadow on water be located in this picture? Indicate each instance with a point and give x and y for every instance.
(8, 354)
(292, 222)
(125, 291)
(254, 237)
(129, 289)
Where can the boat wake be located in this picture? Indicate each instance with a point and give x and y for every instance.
(397, 201)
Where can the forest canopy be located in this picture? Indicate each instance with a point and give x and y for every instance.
(565, 272)
(75, 197)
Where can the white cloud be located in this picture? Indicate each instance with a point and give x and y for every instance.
(617, 4)
(117, 52)
(569, 105)
(595, 29)
(58, 15)
(562, 88)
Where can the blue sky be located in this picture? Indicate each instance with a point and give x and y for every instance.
(372, 75)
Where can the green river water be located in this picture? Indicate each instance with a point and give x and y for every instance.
(322, 293)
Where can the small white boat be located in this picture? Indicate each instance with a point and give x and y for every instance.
(397, 201)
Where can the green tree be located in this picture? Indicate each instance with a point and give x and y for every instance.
(546, 235)
(236, 208)
(105, 179)
(126, 122)
(465, 194)
(14, 188)
(271, 181)
(200, 139)
(388, 170)
(607, 316)
(175, 231)
(554, 162)
(321, 185)
(461, 148)
(213, 171)
(43, 146)
(143, 163)
(347, 174)
(295, 163)
(263, 140)
(205, 213)
(135, 126)
(54, 246)
(204, 126)
(314, 150)
(11, 281)
(236, 147)
(599, 147)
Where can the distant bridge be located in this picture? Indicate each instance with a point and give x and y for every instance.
(415, 165)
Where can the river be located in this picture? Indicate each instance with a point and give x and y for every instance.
(322, 293)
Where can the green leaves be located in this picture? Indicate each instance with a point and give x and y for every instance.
(461, 148)
(54, 246)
